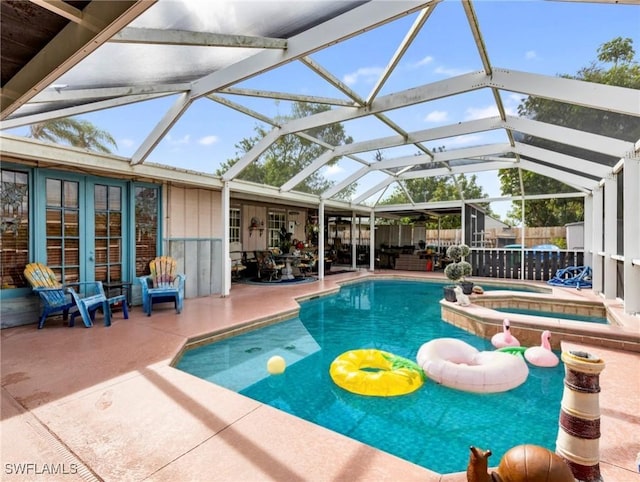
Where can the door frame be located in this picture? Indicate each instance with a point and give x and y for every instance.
(86, 185)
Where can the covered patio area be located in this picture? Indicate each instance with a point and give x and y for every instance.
(105, 404)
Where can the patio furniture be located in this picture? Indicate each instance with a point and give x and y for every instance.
(163, 285)
(55, 296)
(118, 301)
(237, 266)
(267, 266)
(88, 303)
(304, 265)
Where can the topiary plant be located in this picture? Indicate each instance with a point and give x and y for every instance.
(454, 272)
(459, 269)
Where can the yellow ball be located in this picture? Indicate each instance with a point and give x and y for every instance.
(276, 365)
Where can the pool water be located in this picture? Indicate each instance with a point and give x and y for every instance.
(551, 314)
(432, 427)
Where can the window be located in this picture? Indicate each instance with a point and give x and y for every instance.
(234, 225)
(108, 232)
(146, 223)
(14, 227)
(63, 229)
(276, 222)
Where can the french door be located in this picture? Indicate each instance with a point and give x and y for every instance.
(86, 223)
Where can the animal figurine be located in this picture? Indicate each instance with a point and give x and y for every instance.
(477, 290)
(477, 470)
(500, 340)
(542, 356)
(461, 298)
(522, 463)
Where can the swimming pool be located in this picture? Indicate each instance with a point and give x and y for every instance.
(432, 427)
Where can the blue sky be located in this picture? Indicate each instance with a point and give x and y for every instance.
(535, 36)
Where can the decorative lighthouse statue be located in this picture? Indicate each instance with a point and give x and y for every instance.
(579, 432)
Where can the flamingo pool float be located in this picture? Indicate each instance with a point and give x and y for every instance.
(542, 355)
(500, 340)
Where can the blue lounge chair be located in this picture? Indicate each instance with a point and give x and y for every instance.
(163, 285)
(59, 298)
(573, 276)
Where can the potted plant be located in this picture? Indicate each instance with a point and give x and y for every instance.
(458, 270)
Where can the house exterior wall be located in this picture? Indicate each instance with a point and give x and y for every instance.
(192, 234)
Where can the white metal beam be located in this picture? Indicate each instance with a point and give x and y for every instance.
(417, 95)
(370, 192)
(461, 169)
(76, 110)
(563, 161)
(331, 79)
(245, 110)
(135, 35)
(463, 153)
(571, 137)
(336, 188)
(412, 207)
(271, 122)
(351, 23)
(310, 169)
(631, 234)
(68, 94)
(269, 94)
(253, 190)
(181, 104)
(400, 51)
(611, 237)
(255, 152)
(588, 94)
(579, 182)
(73, 43)
(441, 132)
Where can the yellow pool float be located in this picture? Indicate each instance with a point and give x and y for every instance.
(376, 373)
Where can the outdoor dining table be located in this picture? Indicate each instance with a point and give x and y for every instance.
(287, 272)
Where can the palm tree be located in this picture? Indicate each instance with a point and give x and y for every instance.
(76, 132)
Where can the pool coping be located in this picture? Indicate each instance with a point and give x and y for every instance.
(480, 319)
(123, 410)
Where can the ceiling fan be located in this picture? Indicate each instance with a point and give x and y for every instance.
(422, 219)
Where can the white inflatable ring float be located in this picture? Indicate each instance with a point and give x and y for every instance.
(456, 364)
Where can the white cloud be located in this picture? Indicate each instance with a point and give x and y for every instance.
(208, 140)
(333, 171)
(510, 108)
(184, 140)
(126, 142)
(530, 54)
(422, 62)
(473, 113)
(367, 74)
(514, 98)
(437, 116)
(449, 71)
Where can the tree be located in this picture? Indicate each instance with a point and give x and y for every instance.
(624, 72)
(289, 154)
(76, 132)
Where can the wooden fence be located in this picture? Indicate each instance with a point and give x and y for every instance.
(538, 265)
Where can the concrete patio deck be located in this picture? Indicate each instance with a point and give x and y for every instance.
(105, 404)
